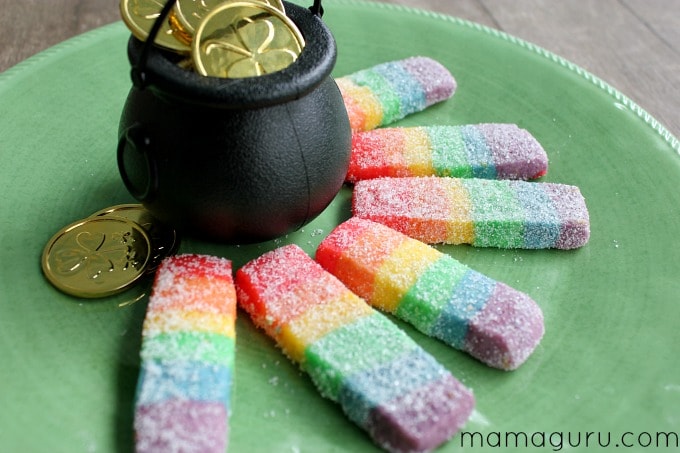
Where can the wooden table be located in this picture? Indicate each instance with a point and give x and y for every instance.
(634, 45)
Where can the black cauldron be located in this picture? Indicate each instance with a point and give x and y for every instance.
(236, 160)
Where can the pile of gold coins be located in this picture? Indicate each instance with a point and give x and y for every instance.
(220, 38)
(107, 252)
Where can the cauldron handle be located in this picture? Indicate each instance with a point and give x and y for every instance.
(138, 71)
(316, 8)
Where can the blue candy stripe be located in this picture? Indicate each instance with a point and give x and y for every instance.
(424, 302)
(467, 299)
(542, 221)
(478, 153)
(364, 391)
(164, 380)
(410, 92)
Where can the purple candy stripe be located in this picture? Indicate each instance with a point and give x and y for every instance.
(423, 419)
(507, 330)
(516, 153)
(437, 82)
(573, 213)
(181, 425)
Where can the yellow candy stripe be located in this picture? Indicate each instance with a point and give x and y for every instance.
(168, 321)
(417, 153)
(360, 262)
(400, 271)
(318, 321)
(460, 228)
(363, 107)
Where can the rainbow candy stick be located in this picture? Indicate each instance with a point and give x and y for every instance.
(437, 294)
(183, 391)
(382, 94)
(355, 356)
(481, 212)
(490, 151)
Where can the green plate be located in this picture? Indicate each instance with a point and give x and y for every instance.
(609, 359)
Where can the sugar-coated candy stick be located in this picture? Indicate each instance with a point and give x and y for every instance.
(382, 379)
(387, 92)
(490, 151)
(481, 212)
(187, 357)
(438, 295)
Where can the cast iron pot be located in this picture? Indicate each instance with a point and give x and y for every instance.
(237, 160)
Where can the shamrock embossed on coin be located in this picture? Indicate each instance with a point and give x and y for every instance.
(96, 257)
(245, 40)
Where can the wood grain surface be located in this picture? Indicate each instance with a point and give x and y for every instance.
(634, 45)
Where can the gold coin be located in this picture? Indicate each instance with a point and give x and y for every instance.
(140, 15)
(164, 240)
(190, 13)
(245, 39)
(96, 257)
(179, 31)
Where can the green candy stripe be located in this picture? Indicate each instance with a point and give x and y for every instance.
(382, 89)
(360, 346)
(449, 155)
(196, 346)
(423, 303)
(497, 214)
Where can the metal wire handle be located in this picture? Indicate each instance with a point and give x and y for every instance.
(316, 8)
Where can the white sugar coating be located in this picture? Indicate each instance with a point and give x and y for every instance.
(317, 322)
(511, 323)
(342, 238)
(353, 354)
(175, 320)
(420, 410)
(187, 264)
(295, 301)
(173, 347)
(482, 212)
(418, 155)
(425, 418)
(178, 427)
(574, 216)
(411, 197)
(192, 296)
(517, 154)
(195, 280)
(379, 148)
(284, 279)
(274, 271)
(182, 395)
(436, 80)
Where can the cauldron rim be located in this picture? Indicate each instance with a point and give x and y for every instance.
(316, 61)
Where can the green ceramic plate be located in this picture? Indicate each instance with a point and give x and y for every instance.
(609, 359)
